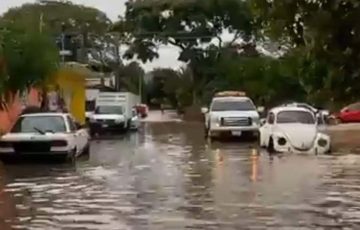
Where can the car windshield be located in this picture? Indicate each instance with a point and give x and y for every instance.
(295, 117)
(109, 110)
(240, 105)
(39, 124)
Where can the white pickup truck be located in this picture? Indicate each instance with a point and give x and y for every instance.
(231, 112)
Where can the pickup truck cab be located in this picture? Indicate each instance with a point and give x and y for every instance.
(231, 112)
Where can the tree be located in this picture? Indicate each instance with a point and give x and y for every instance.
(328, 34)
(51, 15)
(194, 26)
(130, 76)
(185, 24)
(28, 59)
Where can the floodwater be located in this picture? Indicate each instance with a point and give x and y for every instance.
(168, 177)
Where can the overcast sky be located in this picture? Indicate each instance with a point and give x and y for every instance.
(113, 8)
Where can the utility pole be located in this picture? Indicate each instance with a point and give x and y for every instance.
(140, 88)
(63, 42)
(41, 24)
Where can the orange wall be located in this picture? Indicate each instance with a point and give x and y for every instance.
(8, 117)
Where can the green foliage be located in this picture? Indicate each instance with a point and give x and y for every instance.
(28, 59)
(185, 24)
(328, 34)
(76, 17)
(130, 76)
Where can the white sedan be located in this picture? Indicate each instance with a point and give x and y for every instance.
(54, 134)
(293, 129)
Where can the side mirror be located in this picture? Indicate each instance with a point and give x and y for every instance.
(260, 109)
(204, 110)
(262, 121)
(325, 113)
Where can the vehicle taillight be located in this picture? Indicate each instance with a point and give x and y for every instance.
(59, 143)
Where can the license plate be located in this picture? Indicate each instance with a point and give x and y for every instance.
(236, 133)
(105, 125)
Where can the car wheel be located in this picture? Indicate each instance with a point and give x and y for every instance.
(71, 156)
(206, 132)
(92, 132)
(256, 135)
(270, 147)
(86, 150)
(260, 143)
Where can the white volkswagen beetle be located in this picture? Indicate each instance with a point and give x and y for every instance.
(293, 129)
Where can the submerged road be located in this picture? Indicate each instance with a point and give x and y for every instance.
(167, 176)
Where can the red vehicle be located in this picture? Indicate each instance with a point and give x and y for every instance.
(142, 109)
(350, 113)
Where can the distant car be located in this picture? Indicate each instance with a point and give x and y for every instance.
(142, 110)
(350, 113)
(51, 134)
(293, 129)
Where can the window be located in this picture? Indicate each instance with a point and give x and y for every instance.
(109, 110)
(238, 105)
(72, 124)
(353, 107)
(39, 124)
(271, 118)
(295, 117)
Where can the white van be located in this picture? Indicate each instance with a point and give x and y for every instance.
(114, 111)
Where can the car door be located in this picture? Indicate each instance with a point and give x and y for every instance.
(80, 135)
(266, 129)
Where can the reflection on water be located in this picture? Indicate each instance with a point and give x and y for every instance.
(168, 177)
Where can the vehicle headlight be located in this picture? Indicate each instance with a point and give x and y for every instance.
(256, 120)
(322, 142)
(91, 119)
(281, 141)
(215, 119)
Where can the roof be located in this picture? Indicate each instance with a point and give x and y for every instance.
(232, 98)
(230, 94)
(289, 108)
(44, 114)
(302, 105)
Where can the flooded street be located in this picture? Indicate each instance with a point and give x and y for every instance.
(167, 176)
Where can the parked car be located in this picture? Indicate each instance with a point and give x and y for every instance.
(350, 113)
(231, 112)
(293, 129)
(321, 114)
(54, 134)
(142, 110)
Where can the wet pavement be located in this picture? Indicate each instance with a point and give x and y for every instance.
(167, 176)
